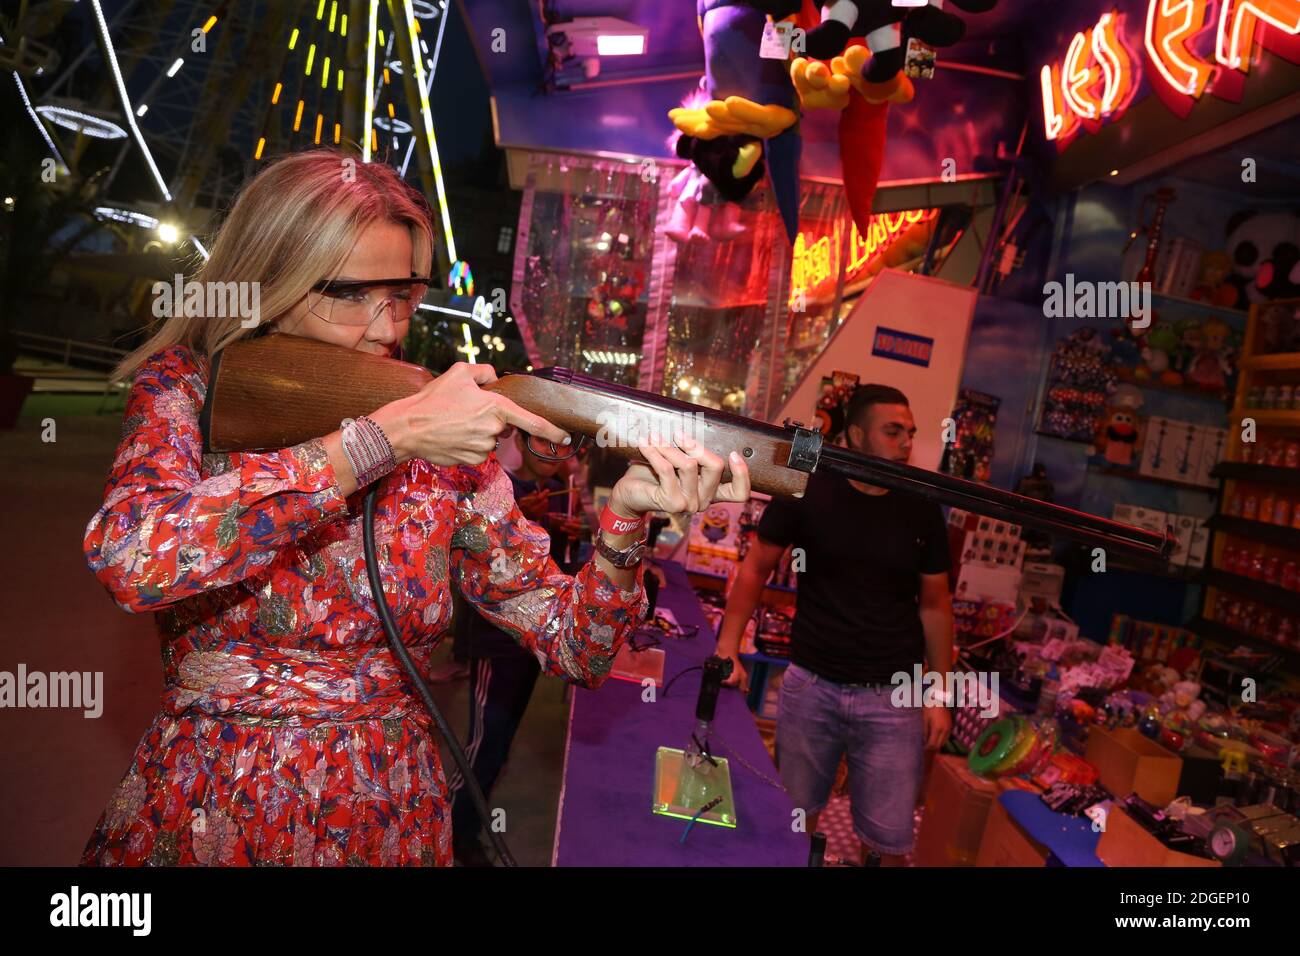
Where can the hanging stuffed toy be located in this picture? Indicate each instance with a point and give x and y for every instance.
(750, 113)
(881, 26)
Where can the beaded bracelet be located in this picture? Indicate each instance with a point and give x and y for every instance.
(367, 450)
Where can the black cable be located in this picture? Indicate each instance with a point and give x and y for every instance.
(421, 688)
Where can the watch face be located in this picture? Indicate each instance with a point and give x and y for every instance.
(633, 556)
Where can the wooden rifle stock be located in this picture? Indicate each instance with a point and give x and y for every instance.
(277, 391)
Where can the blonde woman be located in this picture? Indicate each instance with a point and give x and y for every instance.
(288, 734)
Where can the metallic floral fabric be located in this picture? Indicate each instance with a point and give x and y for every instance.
(288, 733)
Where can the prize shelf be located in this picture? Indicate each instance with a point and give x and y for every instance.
(1136, 476)
(1270, 362)
(1270, 594)
(1277, 418)
(1280, 535)
(1199, 304)
(1216, 631)
(1271, 474)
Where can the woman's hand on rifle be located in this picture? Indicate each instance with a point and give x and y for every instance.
(452, 421)
(680, 479)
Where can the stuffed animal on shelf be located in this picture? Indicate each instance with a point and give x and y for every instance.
(1211, 367)
(1213, 285)
(1119, 432)
(1265, 251)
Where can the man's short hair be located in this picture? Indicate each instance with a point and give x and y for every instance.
(867, 395)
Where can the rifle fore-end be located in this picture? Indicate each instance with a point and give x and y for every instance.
(615, 420)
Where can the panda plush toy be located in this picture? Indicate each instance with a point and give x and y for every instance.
(1265, 251)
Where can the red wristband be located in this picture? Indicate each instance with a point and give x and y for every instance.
(616, 524)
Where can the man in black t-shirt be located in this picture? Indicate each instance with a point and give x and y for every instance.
(873, 601)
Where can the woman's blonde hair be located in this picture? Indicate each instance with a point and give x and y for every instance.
(292, 225)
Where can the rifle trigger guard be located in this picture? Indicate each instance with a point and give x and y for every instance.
(805, 449)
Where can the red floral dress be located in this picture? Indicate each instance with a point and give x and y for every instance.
(288, 733)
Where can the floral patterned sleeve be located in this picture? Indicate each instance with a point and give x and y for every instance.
(502, 564)
(165, 533)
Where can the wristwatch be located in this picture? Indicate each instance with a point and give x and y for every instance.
(629, 557)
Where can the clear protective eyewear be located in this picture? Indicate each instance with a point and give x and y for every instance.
(359, 302)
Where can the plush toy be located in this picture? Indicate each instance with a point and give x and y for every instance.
(1265, 251)
(1158, 355)
(1210, 367)
(881, 25)
(751, 101)
(1117, 436)
(1213, 285)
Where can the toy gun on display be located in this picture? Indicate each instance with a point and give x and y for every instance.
(277, 391)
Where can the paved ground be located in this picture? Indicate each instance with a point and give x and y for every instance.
(57, 768)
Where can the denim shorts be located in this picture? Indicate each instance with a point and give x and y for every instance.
(820, 720)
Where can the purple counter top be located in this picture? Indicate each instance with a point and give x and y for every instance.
(605, 817)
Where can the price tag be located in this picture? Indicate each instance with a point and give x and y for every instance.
(919, 64)
(776, 40)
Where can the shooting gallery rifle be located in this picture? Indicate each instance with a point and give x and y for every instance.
(276, 391)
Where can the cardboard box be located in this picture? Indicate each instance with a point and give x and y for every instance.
(1005, 844)
(1184, 459)
(1043, 580)
(1157, 447)
(1128, 762)
(1125, 842)
(957, 804)
(988, 583)
(1184, 525)
(1199, 546)
(1213, 447)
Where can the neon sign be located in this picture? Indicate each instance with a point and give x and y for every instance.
(881, 234)
(1095, 82)
(1097, 77)
(816, 261)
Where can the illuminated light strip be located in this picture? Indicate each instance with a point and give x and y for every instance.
(340, 81)
(1170, 49)
(374, 140)
(386, 77)
(438, 308)
(45, 134)
(320, 121)
(469, 348)
(211, 22)
(126, 215)
(1237, 55)
(175, 67)
(96, 127)
(275, 96)
(325, 73)
(433, 69)
(427, 114)
(293, 38)
(343, 25)
(338, 133)
(370, 83)
(311, 58)
(334, 9)
(392, 114)
(126, 101)
(320, 10)
(297, 119)
(199, 246)
(261, 145)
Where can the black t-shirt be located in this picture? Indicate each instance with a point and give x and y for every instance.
(858, 615)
